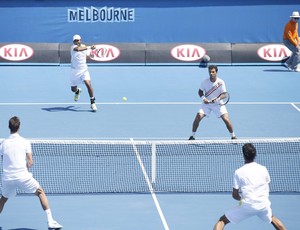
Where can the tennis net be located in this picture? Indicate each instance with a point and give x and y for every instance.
(92, 166)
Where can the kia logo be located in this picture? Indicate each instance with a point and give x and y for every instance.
(188, 52)
(16, 52)
(275, 52)
(104, 53)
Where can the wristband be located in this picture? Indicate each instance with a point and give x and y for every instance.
(202, 98)
(240, 202)
(88, 47)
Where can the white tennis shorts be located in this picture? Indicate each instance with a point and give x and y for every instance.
(239, 213)
(208, 108)
(78, 77)
(28, 185)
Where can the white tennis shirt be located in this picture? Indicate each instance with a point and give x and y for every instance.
(212, 89)
(14, 149)
(78, 59)
(253, 181)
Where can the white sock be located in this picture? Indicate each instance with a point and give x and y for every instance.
(193, 134)
(49, 215)
(232, 134)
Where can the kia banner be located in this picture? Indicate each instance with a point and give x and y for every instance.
(17, 53)
(259, 53)
(187, 54)
(147, 53)
(119, 53)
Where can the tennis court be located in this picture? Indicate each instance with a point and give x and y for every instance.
(162, 103)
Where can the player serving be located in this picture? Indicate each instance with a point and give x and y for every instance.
(79, 70)
(214, 97)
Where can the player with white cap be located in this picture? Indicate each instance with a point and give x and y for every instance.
(79, 70)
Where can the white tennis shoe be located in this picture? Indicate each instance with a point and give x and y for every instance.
(54, 225)
(94, 107)
(77, 94)
(93, 104)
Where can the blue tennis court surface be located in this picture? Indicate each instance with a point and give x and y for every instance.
(137, 211)
(162, 103)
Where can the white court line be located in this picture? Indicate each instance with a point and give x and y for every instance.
(295, 107)
(162, 217)
(143, 103)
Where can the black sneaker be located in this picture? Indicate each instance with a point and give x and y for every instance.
(233, 138)
(191, 138)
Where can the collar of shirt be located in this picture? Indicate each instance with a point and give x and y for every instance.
(14, 135)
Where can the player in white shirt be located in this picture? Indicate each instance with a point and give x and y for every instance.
(17, 159)
(210, 89)
(252, 181)
(79, 69)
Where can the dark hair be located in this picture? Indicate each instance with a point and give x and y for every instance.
(14, 124)
(249, 151)
(213, 67)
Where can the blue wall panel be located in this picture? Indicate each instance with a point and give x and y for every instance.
(154, 21)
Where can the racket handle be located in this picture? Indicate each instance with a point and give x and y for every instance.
(215, 100)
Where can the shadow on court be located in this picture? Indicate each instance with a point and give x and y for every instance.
(21, 229)
(277, 70)
(66, 109)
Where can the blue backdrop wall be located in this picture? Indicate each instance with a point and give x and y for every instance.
(152, 21)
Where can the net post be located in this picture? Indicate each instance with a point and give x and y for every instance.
(153, 163)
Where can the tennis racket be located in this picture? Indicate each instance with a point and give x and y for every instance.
(222, 99)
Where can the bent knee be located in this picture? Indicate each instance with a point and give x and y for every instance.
(87, 82)
(225, 116)
(224, 219)
(39, 191)
(200, 116)
(74, 89)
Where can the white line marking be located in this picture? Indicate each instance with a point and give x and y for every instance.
(150, 186)
(143, 103)
(295, 107)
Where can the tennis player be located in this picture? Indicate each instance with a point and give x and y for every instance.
(17, 159)
(79, 70)
(211, 88)
(252, 180)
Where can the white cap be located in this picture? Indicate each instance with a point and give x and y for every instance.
(295, 14)
(76, 37)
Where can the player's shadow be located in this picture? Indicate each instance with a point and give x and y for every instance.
(65, 109)
(277, 70)
(21, 229)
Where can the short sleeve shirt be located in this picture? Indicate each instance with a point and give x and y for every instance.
(78, 59)
(14, 150)
(212, 89)
(253, 181)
